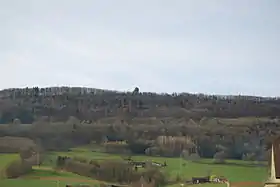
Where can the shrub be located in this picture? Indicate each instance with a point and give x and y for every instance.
(80, 159)
(155, 175)
(94, 163)
(116, 171)
(25, 152)
(178, 178)
(17, 168)
(16, 121)
(61, 161)
(219, 157)
(249, 157)
(79, 168)
(153, 151)
(35, 159)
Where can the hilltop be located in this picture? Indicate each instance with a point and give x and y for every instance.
(93, 104)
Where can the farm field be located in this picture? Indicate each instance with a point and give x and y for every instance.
(40, 183)
(41, 176)
(7, 158)
(47, 177)
(234, 170)
(238, 172)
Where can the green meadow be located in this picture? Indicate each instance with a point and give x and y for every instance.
(235, 171)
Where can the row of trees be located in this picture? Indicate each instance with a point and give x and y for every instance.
(111, 170)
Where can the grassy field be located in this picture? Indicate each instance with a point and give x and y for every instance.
(38, 183)
(6, 159)
(47, 177)
(50, 178)
(235, 171)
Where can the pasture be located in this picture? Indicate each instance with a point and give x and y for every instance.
(234, 170)
(45, 176)
(40, 182)
(40, 176)
(6, 159)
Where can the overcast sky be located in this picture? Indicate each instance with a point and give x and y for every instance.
(206, 46)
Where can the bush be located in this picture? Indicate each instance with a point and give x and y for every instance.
(79, 168)
(178, 178)
(153, 151)
(249, 157)
(94, 163)
(16, 121)
(80, 159)
(219, 157)
(116, 171)
(61, 161)
(25, 152)
(35, 159)
(17, 168)
(155, 175)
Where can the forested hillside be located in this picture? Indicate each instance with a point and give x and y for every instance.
(93, 104)
(210, 126)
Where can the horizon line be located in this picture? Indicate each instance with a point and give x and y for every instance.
(131, 90)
